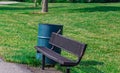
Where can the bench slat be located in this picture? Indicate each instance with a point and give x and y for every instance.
(72, 46)
(55, 56)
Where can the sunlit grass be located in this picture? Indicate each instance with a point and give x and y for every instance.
(97, 25)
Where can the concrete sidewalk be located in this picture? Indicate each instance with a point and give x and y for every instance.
(12, 68)
(6, 67)
(8, 2)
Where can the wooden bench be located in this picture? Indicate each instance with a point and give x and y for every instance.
(67, 44)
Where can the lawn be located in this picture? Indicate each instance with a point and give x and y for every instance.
(98, 25)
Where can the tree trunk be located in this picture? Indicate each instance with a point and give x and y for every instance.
(44, 6)
(35, 3)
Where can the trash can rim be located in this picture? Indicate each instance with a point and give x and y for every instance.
(50, 24)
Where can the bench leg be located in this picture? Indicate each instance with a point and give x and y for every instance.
(43, 61)
(68, 70)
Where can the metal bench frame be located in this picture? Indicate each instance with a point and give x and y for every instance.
(67, 44)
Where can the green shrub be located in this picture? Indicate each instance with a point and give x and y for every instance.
(74, 1)
(28, 0)
(99, 1)
(6, 0)
(59, 1)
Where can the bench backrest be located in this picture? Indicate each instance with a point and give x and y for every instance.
(67, 44)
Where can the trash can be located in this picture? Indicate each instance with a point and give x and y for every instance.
(44, 34)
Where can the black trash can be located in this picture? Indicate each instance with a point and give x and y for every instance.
(44, 34)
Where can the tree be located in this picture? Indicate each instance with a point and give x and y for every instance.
(44, 6)
(37, 2)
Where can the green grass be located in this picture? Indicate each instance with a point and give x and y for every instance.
(98, 25)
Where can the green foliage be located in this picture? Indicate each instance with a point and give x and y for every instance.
(28, 0)
(6, 0)
(98, 25)
(97, 1)
(74, 1)
(60, 1)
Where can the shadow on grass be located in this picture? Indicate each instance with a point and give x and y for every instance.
(95, 9)
(18, 8)
(88, 67)
(27, 8)
(91, 63)
(54, 7)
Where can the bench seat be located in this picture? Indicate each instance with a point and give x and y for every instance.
(55, 56)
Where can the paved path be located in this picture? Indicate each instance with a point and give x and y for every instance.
(6, 67)
(12, 68)
(7, 2)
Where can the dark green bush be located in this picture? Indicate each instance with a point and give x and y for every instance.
(72, 1)
(28, 0)
(6, 0)
(99, 1)
(59, 1)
